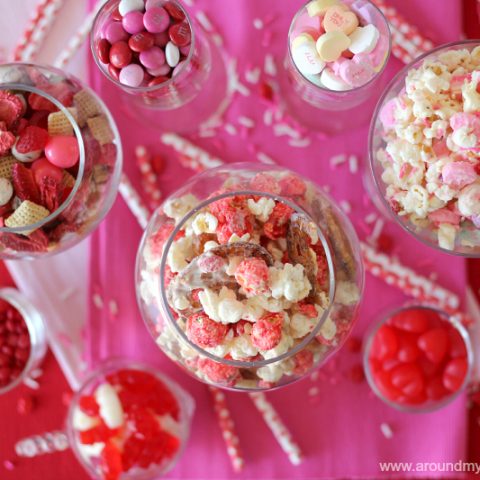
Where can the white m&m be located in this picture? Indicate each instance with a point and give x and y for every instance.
(307, 59)
(127, 6)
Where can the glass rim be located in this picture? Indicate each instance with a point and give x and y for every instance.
(447, 317)
(340, 93)
(102, 66)
(14, 297)
(372, 135)
(81, 146)
(112, 365)
(166, 310)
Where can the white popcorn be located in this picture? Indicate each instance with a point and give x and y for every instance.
(289, 282)
(446, 236)
(464, 137)
(181, 302)
(471, 98)
(93, 450)
(438, 129)
(416, 201)
(261, 208)
(233, 263)
(272, 372)
(209, 245)
(177, 208)
(241, 347)
(204, 223)
(328, 329)
(301, 325)
(347, 293)
(285, 344)
(111, 410)
(235, 238)
(222, 307)
(180, 252)
(469, 200)
(81, 421)
(253, 308)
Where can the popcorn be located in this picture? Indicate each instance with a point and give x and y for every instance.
(222, 307)
(469, 200)
(446, 236)
(328, 330)
(261, 208)
(179, 207)
(289, 282)
(179, 253)
(204, 223)
(267, 331)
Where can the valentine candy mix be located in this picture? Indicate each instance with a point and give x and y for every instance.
(255, 291)
(142, 43)
(418, 359)
(58, 158)
(128, 423)
(425, 148)
(339, 45)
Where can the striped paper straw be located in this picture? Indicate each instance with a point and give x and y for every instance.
(134, 202)
(149, 179)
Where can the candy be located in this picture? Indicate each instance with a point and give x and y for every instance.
(115, 33)
(132, 22)
(319, 7)
(110, 407)
(174, 11)
(469, 200)
(356, 72)
(172, 54)
(120, 54)
(180, 34)
(132, 75)
(153, 58)
(307, 59)
(454, 374)
(434, 343)
(364, 39)
(6, 191)
(24, 183)
(340, 19)
(267, 331)
(141, 41)
(126, 6)
(156, 20)
(205, 332)
(330, 45)
(102, 47)
(302, 39)
(62, 151)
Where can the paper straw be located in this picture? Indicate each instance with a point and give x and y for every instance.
(78, 38)
(149, 179)
(277, 427)
(133, 201)
(37, 29)
(227, 427)
(36, 445)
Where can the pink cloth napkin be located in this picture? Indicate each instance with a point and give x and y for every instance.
(338, 429)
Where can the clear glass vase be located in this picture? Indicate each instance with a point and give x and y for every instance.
(183, 102)
(320, 108)
(423, 178)
(308, 267)
(89, 188)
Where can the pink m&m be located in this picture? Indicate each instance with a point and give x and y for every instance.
(132, 75)
(156, 20)
(62, 151)
(114, 32)
(132, 22)
(153, 58)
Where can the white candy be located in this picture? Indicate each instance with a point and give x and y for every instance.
(25, 157)
(81, 421)
(172, 54)
(111, 409)
(364, 39)
(307, 60)
(126, 6)
(331, 81)
(6, 191)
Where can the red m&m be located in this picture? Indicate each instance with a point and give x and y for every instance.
(418, 358)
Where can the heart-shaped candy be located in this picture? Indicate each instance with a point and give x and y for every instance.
(364, 39)
(331, 45)
(356, 73)
(319, 7)
(307, 59)
(340, 19)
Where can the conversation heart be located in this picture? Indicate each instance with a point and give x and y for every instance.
(331, 45)
(319, 7)
(301, 39)
(364, 39)
(332, 81)
(340, 19)
(356, 72)
(380, 53)
(307, 59)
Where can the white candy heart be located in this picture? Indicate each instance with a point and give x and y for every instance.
(307, 60)
(126, 6)
(364, 39)
(111, 409)
(332, 82)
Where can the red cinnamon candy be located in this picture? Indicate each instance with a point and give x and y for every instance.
(418, 358)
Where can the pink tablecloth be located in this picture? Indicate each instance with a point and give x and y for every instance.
(339, 429)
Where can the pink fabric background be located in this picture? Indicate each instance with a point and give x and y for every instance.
(339, 430)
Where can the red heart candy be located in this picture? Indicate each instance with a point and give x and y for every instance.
(408, 350)
(383, 382)
(385, 343)
(454, 374)
(435, 389)
(434, 344)
(416, 321)
(409, 379)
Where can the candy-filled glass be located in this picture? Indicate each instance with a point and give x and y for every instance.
(423, 148)
(179, 97)
(129, 421)
(418, 358)
(333, 96)
(63, 169)
(249, 278)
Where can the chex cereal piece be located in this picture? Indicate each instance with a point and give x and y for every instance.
(6, 166)
(86, 105)
(100, 129)
(68, 180)
(101, 174)
(59, 124)
(26, 214)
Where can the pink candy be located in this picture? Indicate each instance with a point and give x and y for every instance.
(458, 174)
(133, 22)
(114, 32)
(153, 58)
(62, 151)
(132, 75)
(156, 20)
(356, 72)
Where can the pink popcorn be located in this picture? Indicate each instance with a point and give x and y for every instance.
(211, 263)
(205, 332)
(457, 81)
(217, 372)
(444, 215)
(303, 362)
(469, 120)
(267, 332)
(264, 182)
(459, 174)
(252, 276)
(387, 115)
(291, 186)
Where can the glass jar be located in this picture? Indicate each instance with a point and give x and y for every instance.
(110, 450)
(423, 162)
(249, 278)
(309, 99)
(173, 101)
(418, 358)
(66, 211)
(35, 329)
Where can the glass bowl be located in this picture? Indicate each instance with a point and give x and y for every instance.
(151, 405)
(412, 357)
(35, 329)
(422, 154)
(216, 287)
(59, 212)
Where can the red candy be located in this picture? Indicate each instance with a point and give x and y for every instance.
(418, 357)
(24, 183)
(141, 41)
(252, 276)
(174, 11)
(267, 331)
(205, 332)
(120, 54)
(102, 48)
(180, 34)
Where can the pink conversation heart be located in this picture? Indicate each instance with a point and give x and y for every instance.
(356, 72)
